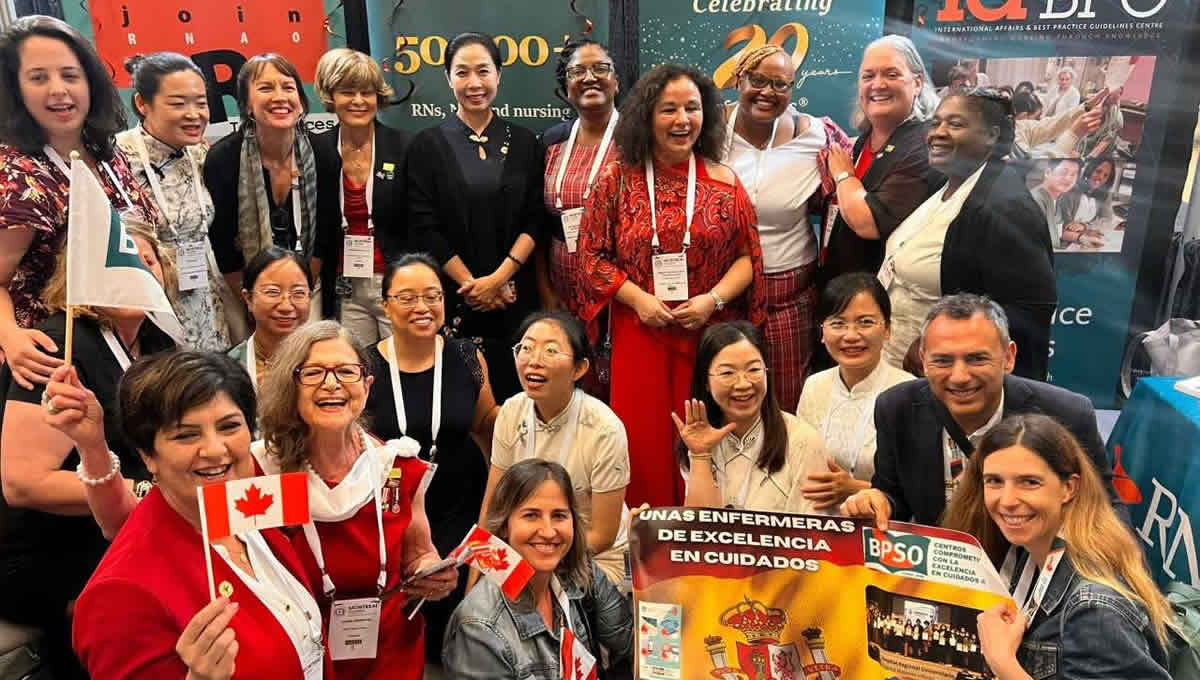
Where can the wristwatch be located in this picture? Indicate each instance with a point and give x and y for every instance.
(717, 299)
(845, 174)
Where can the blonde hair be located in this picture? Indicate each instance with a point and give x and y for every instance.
(1101, 548)
(282, 429)
(751, 59)
(55, 292)
(343, 67)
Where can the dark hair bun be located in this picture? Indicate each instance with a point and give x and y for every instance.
(132, 62)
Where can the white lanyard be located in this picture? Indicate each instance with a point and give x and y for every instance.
(370, 187)
(565, 159)
(314, 542)
(860, 429)
(66, 169)
(1031, 598)
(563, 603)
(571, 425)
(251, 363)
(690, 208)
(152, 174)
(117, 349)
(762, 153)
(296, 204)
(435, 420)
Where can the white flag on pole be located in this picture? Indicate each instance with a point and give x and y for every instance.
(103, 266)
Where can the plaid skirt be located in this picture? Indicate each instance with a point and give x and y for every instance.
(791, 331)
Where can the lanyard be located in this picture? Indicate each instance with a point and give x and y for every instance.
(66, 170)
(1031, 598)
(953, 462)
(563, 603)
(690, 206)
(251, 363)
(296, 205)
(152, 175)
(117, 349)
(860, 429)
(571, 425)
(566, 159)
(435, 420)
(762, 153)
(370, 188)
(314, 540)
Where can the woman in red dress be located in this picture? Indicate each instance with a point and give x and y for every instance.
(369, 533)
(670, 234)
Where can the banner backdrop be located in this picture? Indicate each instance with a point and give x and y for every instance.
(410, 39)
(1097, 189)
(219, 35)
(733, 594)
(825, 38)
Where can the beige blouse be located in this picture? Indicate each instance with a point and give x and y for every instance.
(845, 418)
(745, 485)
(912, 266)
(598, 459)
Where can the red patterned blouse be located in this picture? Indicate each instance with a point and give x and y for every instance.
(615, 235)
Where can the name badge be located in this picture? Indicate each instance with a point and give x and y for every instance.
(570, 223)
(670, 277)
(358, 256)
(354, 628)
(830, 218)
(192, 261)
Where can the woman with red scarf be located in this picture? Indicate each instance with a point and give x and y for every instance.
(669, 233)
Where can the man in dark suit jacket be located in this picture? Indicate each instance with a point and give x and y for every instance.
(928, 426)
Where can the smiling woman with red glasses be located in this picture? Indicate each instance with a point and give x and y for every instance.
(779, 154)
(369, 533)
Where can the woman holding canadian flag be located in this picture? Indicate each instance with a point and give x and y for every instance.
(368, 548)
(149, 612)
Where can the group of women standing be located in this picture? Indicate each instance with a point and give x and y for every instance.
(676, 228)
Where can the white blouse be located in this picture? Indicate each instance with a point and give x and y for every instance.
(912, 265)
(845, 417)
(744, 485)
(780, 181)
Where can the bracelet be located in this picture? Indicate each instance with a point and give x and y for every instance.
(97, 481)
(519, 263)
(700, 456)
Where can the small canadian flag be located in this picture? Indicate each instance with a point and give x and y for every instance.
(496, 559)
(255, 503)
(576, 661)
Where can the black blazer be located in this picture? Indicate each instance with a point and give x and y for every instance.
(909, 455)
(222, 167)
(999, 246)
(389, 203)
(896, 185)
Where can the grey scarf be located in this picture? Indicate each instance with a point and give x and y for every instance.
(254, 215)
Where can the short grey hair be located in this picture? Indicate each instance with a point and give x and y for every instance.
(926, 101)
(963, 306)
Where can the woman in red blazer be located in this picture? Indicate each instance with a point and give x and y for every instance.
(146, 612)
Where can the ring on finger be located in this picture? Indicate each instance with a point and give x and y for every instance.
(51, 408)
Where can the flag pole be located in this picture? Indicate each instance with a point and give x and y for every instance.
(212, 588)
(70, 340)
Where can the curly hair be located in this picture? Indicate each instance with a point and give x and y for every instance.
(634, 135)
(996, 109)
(106, 113)
(751, 59)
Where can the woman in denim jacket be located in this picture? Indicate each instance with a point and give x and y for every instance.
(1033, 498)
(489, 636)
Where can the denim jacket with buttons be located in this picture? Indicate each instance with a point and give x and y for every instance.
(1085, 630)
(491, 637)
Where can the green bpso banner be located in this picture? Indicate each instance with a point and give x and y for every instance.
(410, 40)
(825, 38)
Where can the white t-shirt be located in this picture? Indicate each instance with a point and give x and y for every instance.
(789, 176)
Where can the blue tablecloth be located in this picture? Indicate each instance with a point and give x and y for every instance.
(1155, 449)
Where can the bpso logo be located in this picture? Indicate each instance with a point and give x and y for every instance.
(895, 553)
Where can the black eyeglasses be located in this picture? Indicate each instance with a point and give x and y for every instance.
(600, 70)
(759, 82)
(316, 375)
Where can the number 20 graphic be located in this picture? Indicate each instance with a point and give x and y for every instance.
(755, 37)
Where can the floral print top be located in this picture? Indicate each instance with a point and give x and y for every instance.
(35, 194)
